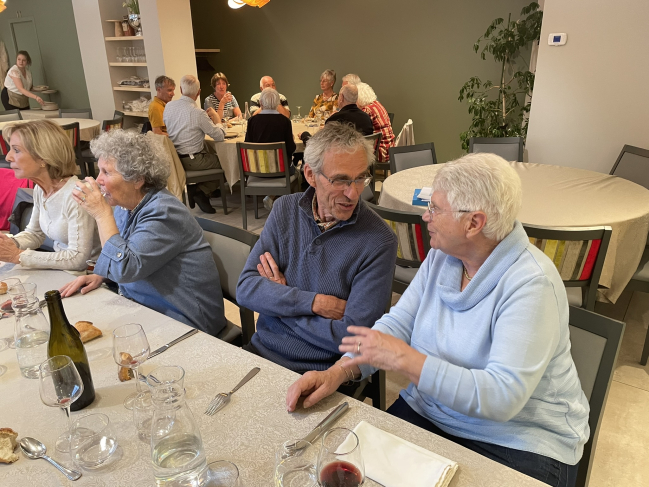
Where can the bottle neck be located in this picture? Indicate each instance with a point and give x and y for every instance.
(58, 320)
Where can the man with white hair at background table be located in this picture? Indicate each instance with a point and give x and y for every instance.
(351, 79)
(282, 107)
(187, 126)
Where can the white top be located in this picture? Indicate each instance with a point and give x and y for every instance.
(15, 72)
(72, 229)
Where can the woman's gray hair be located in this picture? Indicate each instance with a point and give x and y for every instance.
(350, 93)
(329, 74)
(189, 85)
(135, 156)
(269, 99)
(482, 182)
(352, 79)
(338, 137)
(366, 95)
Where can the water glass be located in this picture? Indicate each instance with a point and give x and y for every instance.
(340, 462)
(31, 332)
(221, 474)
(8, 282)
(142, 415)
(295, 464)
(92, 441)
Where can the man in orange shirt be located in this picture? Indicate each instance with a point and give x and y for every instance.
(165, 88)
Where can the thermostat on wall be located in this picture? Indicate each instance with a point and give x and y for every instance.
(557, 39)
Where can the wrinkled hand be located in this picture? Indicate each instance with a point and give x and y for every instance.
(329, 307)
(268, 269)
(314, 386)
(8, 250)
(88, 194)
(226, 98)
(214, 116)
(382, 351)
(83, 283)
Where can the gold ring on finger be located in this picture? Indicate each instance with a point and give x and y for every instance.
(358, 348)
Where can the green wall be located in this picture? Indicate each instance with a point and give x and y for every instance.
(59, 46)
(416, 54)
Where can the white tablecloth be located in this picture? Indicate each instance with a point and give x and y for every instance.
(88, 128)
(247, 432)
(557, 196)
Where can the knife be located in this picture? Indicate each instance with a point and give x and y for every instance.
(327, 422)
(172, 343)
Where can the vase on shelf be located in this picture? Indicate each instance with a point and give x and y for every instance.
(134, 21)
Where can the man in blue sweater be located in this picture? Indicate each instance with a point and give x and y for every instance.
(324, 260)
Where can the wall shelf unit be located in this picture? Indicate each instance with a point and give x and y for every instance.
(124, 38)
(131, 88)
(127, 64)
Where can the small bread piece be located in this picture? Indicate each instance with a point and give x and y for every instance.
(6, 306)
(87, 331)
(124, 373)
(3, 287)
(7, 454)
(11, 434)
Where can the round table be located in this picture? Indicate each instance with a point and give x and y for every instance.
(557, 196)
(89, 129)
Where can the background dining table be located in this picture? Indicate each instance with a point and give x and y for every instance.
(88, 128)
(247, 432)
(558, 196)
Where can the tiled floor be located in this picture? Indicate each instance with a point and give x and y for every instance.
(623, 443)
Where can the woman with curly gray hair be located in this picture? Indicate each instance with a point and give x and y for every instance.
(141, 248)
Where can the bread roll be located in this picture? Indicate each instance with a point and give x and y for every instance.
(87, 331)
(8, 445)
(3, 287)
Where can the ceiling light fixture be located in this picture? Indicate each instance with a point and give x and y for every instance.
(252, 3)
(236, 3)
(2, 5)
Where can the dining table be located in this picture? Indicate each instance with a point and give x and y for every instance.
(559, 196)
(247, 432)
(88, 128)
(227, 149)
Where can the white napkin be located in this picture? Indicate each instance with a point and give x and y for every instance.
(395, 462)
(425, 194)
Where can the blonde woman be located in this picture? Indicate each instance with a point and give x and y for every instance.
(41, 152)
(326, 102)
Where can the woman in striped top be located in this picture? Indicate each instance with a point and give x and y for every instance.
(222, 100)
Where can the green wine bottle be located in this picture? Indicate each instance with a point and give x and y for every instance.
(65, 340)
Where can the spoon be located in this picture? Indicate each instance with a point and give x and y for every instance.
(32, 448)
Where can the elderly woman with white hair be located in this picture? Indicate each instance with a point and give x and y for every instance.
(326, 102)
(380, 119)
(152, 246)
(481, 332)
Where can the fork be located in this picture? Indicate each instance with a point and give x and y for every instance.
(223, 398)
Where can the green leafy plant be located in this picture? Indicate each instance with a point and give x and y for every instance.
(501, 110)
(133, 6)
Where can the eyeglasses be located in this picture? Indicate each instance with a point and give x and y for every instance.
(433, 210)
(346, 183)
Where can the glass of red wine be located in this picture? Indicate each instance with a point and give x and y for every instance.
(340, 463)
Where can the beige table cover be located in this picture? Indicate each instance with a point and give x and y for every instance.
(557, 196)
(247, 432)
(89, 129)
(227, 150)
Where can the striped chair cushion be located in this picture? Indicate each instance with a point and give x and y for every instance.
(262, 161)
(574, 259)
(4, 147)
(73, 135)
(410, 238)
(114, 126)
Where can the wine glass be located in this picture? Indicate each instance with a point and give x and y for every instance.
(60, 386)
(297, 117)
(340, 462)
(130, 349)
(8, 342)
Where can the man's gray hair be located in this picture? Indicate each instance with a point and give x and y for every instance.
(190, 85)
(352, 79)
(269, 99)
(329, 74)
(366, 94)
(484, 182)
(350, 93)
(135, 156)
(340, 138)
(161, 81)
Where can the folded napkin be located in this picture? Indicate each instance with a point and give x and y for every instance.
(394, 462)
(425, 193)
(418, 202)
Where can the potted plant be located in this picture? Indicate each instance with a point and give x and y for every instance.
(501, 110)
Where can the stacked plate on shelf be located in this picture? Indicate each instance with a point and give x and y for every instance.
(50, 105)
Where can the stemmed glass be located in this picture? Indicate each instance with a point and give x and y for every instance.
(340, 462)
(297, 117)
(60, 386)
(130, 349)
(10, 340)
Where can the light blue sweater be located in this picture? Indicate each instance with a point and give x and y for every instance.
(499, 368)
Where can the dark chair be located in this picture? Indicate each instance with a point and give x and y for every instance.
(230, 249)
(640, 282)
(509, 148)
(375, 138)
(116, 123)
(118, 114)
(633, 164)
(146, 127)
(595, 341)
(368, 194)
(10, 115)
(578, 253)
(75, 113)
(410, 156)
(205, 175)
(264, 170)
(414, 244)
(74, 133)
(391, 117)
(86, 155)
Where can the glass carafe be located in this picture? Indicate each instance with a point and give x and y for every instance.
(176, 445)
(32, 332)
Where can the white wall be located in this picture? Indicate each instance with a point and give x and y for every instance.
(591, 96)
